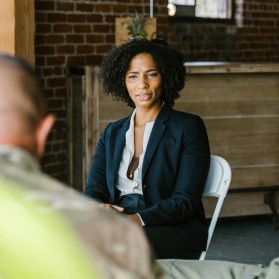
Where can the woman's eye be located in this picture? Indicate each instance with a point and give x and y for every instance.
(152, 74)
(132, 77)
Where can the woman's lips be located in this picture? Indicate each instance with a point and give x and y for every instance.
(144, 97)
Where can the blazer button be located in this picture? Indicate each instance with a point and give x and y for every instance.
(144, 186)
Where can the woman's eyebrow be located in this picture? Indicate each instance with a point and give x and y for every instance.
(132, 72)
(152, 70)
(136, 72)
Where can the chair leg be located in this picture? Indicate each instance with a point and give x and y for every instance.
(272, 199)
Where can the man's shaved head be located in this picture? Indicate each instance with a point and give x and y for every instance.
(22, 103)
(20, 88)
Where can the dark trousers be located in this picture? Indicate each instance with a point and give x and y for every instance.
(166, 246)
(161, 238)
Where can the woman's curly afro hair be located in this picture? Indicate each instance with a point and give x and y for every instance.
(169, 64)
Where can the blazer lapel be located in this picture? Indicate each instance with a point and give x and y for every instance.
(155, 137)
(119, 146)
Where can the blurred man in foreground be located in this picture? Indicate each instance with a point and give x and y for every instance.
(36, 204)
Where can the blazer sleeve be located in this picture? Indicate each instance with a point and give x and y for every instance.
(184, 202)
(96, 186)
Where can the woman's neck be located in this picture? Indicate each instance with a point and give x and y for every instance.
(144, 116)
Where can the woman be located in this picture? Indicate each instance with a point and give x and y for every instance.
(153, 164)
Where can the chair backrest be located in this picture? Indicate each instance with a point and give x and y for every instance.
(217, 184)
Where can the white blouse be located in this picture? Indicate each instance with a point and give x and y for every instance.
(123, 183)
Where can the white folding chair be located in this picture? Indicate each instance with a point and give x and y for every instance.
(217, 184)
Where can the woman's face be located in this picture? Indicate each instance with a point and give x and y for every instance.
(144, 82)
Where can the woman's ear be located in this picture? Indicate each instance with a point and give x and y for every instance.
(42, 133)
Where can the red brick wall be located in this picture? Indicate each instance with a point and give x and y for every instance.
(75, 32)
(79, 32)
(254, 36)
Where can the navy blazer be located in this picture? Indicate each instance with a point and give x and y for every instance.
(174, 173)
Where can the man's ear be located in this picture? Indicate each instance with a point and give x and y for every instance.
(43, 130)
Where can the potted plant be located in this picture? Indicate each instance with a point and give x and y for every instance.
(134, 27)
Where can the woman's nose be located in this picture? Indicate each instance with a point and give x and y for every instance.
(142, 82)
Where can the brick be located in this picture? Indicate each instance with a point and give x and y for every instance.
(56, 82)
(55, 168)
(58, 70)
(65, 49)
(63, 177)
(39, 61)
(55, 104)
(48, 158)
(52, 71)
(82, 28)
(62, 28)
(125, 1)
(101, 28)
(248, 30)
(248, 54)
(268, 30)
(60, 124)
(269, 53)
(93, 59)
(103, 48)
(133, 9)
(146, 11)
(49, 93)
(56, 17)
(56, 147)
(76, 60)
(76, 18)
(44, 50)
(92, 18)
(38, 71)
(96, 39)
(120, 9)
(83, 7)
(39, 39)
(62, 156)
(48, 147)
(47, 72)
(61, 93)
(137, 1)
(110, 19)
(163, 10)
(54, 39)
(40, 17)
(110, 39)
(60, 6)
(44, 5)
(60, 134)
(75, 39)
(104, 8)
(85, 49)
(43, 28)
(56, 60)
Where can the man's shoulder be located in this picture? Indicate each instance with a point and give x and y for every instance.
(109, 237)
